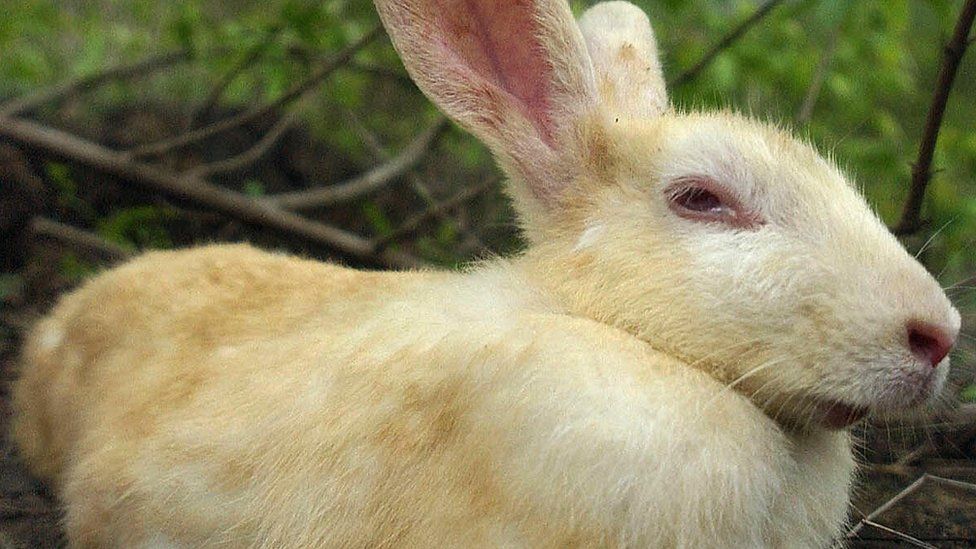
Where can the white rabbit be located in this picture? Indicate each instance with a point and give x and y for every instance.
(704, 307)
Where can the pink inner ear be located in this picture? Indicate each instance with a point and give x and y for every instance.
(498, 39)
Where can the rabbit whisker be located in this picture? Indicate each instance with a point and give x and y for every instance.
(934, 235)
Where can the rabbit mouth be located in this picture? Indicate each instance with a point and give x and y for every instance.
(837, 415)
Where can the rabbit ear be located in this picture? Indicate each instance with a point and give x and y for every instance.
(513, 72)
(624, 52)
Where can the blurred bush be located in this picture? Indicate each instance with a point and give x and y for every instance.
(855, 78)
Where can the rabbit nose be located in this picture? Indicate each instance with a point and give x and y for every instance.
(930, 343)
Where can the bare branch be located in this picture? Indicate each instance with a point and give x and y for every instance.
(900, 535)
(416, 182)
(197, 191)
(369, 181)
(965, 283)
(296, 92)
(218, 90)
(370, 139)
(805, 112)
(727, 41)
(922, 169)
(55, 93)
(78, 238)
(396, 76)
(250, 156)
(14, 165)
(888, 505)
(870, 519)
(411, 225)
(380, 153)
(963, 485)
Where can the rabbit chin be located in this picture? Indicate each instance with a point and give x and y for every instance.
(806, 412)
(884, 393)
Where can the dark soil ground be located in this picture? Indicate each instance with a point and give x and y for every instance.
(28, 512)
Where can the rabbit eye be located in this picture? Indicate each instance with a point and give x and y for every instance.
(701, 201)
(705, 200)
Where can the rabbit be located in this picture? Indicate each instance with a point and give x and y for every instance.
(703, 308)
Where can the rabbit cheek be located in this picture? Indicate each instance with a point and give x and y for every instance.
(725, 283)
(761, 326)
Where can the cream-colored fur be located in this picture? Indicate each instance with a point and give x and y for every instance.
(634, 378)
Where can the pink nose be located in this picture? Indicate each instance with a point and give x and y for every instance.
(930, 343)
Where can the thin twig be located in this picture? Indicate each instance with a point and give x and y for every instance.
(296, 92)
(922, 169)
(364, 183)
(399, 77)
(370, 139)
(14, 166)
(805, 112)
(306, 56)
(28, 103)
(963, 485)
(964, 283)
(250, 156)
(901, 535)
(250, 57)
(416, 181)
(729, 39)
(888, 504)
(916, 454)
(261, 148)
(78, 238)
(413, 223)
(198, 191)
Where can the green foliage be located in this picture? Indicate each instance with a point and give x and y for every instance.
(378, 221)
(138, 227)
(254, 188)
(10, 285)
(66, 190)
(881, 58)
(436, 253)
(74, 269)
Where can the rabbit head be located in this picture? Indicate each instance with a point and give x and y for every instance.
(719, 240)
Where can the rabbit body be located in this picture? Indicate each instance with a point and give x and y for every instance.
(704, 306)
(257, 399)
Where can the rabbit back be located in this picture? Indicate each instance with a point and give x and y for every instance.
(178, 304)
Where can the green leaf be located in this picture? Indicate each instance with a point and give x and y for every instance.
(75, 269)
(380, 223)
(138, 227)
(10, 285)
(447, 234)
(254, 188)
(186, 25)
